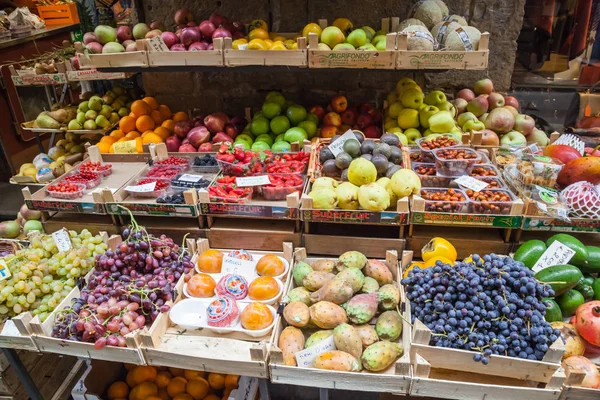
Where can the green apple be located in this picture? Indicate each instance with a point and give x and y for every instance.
(412, 135)
(429, 133)
(296, 114)
(357, 38)
(381, 45)
(74, 125)
(343, 47)
(281, 147)
(391, 98)
(377, 38)
(456, 134)
(83, 106)
(312, 117)
(370, 32)
(403, 82)
(447, 106)
(473, 125)
(323, 47)
(80, 118)
(309, 127)
(394, 109)
(106, 111)
(259, 146)
(271, 110)
(275, 97)
(259, 126)
(295, 134)
(258, 115)
(464, 117)
(332, 35)
(279, 124)
(435, 97)
(411, 98)
(441, 122)
(393, 123)
(394, 130)
(425, 114)
(408, 118)
(241, 143)
(367, 47)
(264, 138)
(244, 137)
(279, 138)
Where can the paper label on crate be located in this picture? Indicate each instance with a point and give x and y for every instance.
(252, 180)
(306, 357)
(127, 147)
(4, 271)
(556, 254)
(147, 187)
(157, 44)
(471, 183)
(236, 266)
(189, 178)
(243, 46)
(62, 240)
(338, 146)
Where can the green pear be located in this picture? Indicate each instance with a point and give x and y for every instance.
(80, 118)
(91, 114)
(434, 98)
(95, 103)
(74, 125)
(116, 105)
(83, 106)
(123, 112)
(111, 94)
(367, 47)
(425, 114)
(369, 31)
(357, 38)
(102, 122)
(114, 118)
(441, 122)
(90, 125)
(106, 111)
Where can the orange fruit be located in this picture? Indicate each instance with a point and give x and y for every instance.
(212, 397)
(169, 124)
(108, 139)
(139, 145)
(118, 389)
(270, 265)
(176, 371)
(176, 386)
(189, 374)
(140, 107)
(263, 288)
(131, 135)
(164, 133)
(128, 366)
(143, 373)
(162, 393)
(144, 123)
(123, 139)
(165, 111)
(226, 393)
(197, 388)
(127, 124)
(151, 101)
(201, 285)
(210, 261)
(152, 137)
(132, 115)
(163, 378)
(157, 397)
(256, 316)
(180, 116)
(146, 133)
(231, 381)
(104, 147)
(216, 380)
(143, 391)
(183, 396)
(158, 119)
(117, 134)
(258, 33)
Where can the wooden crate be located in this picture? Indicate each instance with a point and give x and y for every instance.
(77, 222)
(237, 353)
(415, 59)
(291, 58)
(396, 379)
(535, 220)
(33, 79)
(116, 60)
(476, 136)
(252, 234)
(16, 332)
(184, 58)
(358, 58)
(64, 14)
(174, 227)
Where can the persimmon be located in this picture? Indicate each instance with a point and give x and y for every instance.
(263, 288)
(210, 261)
(256, 316)
(270, 265)
(201, 285)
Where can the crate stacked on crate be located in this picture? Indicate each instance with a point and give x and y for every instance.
(61, 14)
(232, 333)
(129, 59)
(285, 57)
(370, 355)
(163, 57)
(30, 77)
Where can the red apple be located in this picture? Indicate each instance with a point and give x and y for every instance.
(349, 117)
(205, 148)
(364, 108)
(339, 104)
(332, 118)
(318, 111)
(466, 94)
(511, 101)
(328, 131)
(489, 138)
(372, 132)
(364, 120)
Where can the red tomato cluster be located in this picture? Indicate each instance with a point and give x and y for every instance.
(172, 160)
(160, 183)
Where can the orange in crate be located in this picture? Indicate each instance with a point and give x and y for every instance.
(270, 265)
(263, 288)
(201, 285)
(256, 316)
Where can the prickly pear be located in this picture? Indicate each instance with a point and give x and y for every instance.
(362, 308)
(316, 279)
(300, 294)
(370, 285)
(381, 355)
(300, 270)
(351, 259)
(379, 271)
(389, 326)
(347, 339)
(296, 314)
(317, 337)
(367, 334)
(327, 315)
(290, 342)
(336, 291)
(323, 265)
(336, 360)
(389, 295)
(354, 277)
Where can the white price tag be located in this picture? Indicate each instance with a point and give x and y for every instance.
(147, 187)
(157, 44)
(253, 181)
(338, 146)
(62, 240)
(243, 46)
(245, 268)
(471, 183)
(190, 178)
(4, 271)
(306, 357)
(556, 254)
(543, 207)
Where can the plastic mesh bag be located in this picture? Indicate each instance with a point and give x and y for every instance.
(583, 200)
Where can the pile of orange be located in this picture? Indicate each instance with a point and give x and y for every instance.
(151, 383)
(148, 122)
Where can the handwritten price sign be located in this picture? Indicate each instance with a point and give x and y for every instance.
(306, 357)
(62, 240)
(556, 254)
(4, 271)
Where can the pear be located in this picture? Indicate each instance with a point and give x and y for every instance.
(95, 103)
(123, 112)
(102, 122)
(106, 111)
(45, 121)
(114, 118)
(89, 125)
(59, 115)
(83, 106)
(80, 117)
(74, 125)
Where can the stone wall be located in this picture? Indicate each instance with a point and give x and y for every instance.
(232, 90)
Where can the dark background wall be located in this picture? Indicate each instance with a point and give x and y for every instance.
(232, 90)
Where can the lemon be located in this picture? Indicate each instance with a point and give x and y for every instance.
(311, 28)
(237, 42)
(258, 44)
(258, 24)
(269, 42)
(278, 38)
(289, 43)
(258, 33)
(278, 45)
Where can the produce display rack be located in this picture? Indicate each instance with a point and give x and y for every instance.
(359, 59)
(95, 223)
(535, 220)
(253, 234)
(15, 333)
(292, 58)
(207, 58)
(93, 75)
(30, 78)
(167, 345)
(396, 379)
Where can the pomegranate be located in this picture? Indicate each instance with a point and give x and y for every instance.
(582, 365)
(583, 199)
(587, 321)
(574, 344)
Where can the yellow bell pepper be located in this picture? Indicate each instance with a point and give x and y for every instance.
(438, 247)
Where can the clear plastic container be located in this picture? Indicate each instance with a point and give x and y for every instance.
(492, 207)
(484, 157)
(481, 170)
(280, 193)
(66, 195)
(172, 196)
(205, 169)
(461, 205)
(240, 200)
(415, 155)
(538, 170)
(495, 182)
(427, 154)
(238, 169)
(162, 171)
(451, 166)
(427, 173)
(89, 184)
(173, 160)
(190, 179)
(153, 194)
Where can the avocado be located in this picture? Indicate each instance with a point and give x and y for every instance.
(352, 147)
(325, 154)
(581, 252)
(529, 252)
(560, 277)
(593, 260)
(569, 301)
(553, 312)
(343, 160)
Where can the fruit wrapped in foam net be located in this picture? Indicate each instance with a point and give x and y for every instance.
(583, 200)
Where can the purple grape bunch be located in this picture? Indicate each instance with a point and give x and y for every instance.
(490, 305)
